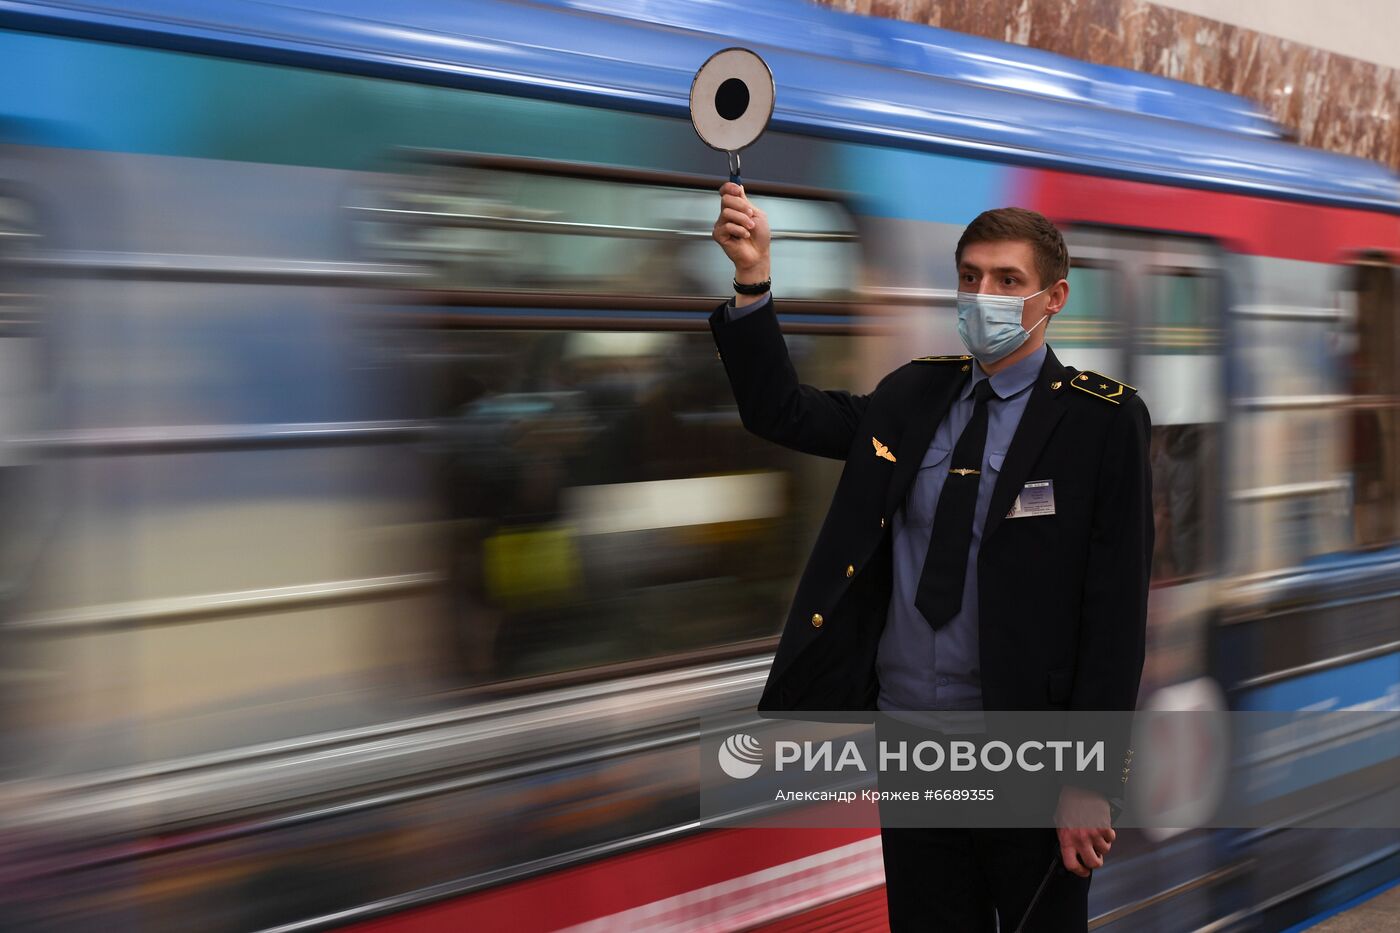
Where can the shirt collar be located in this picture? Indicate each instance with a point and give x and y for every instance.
(1013, 380)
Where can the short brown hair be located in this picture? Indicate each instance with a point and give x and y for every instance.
(1017, 223)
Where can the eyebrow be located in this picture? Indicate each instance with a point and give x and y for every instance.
(1016, 269)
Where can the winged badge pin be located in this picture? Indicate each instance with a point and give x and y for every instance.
(881, 450)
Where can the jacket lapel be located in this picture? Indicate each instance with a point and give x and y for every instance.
(1043, 411)
(930, 409)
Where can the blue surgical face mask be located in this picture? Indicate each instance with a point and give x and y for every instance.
(990, 325)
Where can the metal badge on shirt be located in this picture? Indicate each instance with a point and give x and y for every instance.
(1037, 498)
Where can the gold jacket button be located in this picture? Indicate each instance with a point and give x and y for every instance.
(816, 620)
(850, 570)
(882, 521)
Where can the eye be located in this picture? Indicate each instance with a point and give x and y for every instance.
(1008, 281)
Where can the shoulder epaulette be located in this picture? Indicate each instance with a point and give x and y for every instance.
(940, 359)
(1104, 387)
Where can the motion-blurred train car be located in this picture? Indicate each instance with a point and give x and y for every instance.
(378, 520)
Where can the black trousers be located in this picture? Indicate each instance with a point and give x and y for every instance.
(976, 879)
(969, 880)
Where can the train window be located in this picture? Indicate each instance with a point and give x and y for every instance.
(604, 507)
(1087, 318)
(16, 229)
(604, 503)
(1087, 331)
(1374, 421)
(1178, 366)
(17, 308)
(1289, 410)
(497, 230)
(23, 373)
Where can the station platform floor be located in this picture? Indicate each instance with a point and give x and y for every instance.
(1376, 910)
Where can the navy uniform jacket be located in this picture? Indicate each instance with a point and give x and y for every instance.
(1062, 597)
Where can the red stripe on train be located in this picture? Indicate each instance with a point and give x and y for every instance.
(635, 879)
(1243, 223)
(856, 914)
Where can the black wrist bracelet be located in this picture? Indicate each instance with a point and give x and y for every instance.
(757, 288)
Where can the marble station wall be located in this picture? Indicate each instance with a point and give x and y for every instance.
(1329, 100)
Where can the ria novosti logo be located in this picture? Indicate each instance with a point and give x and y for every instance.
(740, 756)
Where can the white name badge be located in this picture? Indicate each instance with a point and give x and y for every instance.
(1037, 498)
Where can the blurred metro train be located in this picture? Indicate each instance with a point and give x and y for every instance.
(378, 521)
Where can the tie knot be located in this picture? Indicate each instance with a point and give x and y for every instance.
(983, 390)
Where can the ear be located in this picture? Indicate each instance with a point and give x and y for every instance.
(1059, 295)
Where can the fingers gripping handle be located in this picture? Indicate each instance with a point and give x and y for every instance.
(1056, 866)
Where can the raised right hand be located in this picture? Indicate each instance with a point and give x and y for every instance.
(742, 232)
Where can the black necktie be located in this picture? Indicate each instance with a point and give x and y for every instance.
(939, 596)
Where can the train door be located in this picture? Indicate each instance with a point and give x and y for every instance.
(1374, 418)
(1307, 601)
(1308, 615)
(1147, 310)
(22, 374)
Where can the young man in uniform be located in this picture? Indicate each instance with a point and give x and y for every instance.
(988, 546)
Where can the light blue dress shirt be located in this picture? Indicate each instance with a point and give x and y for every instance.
(921, 668)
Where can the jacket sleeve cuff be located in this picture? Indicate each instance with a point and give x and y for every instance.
(732, 313)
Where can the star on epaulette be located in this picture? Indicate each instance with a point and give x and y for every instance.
(1104, 387)
(940, 359)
